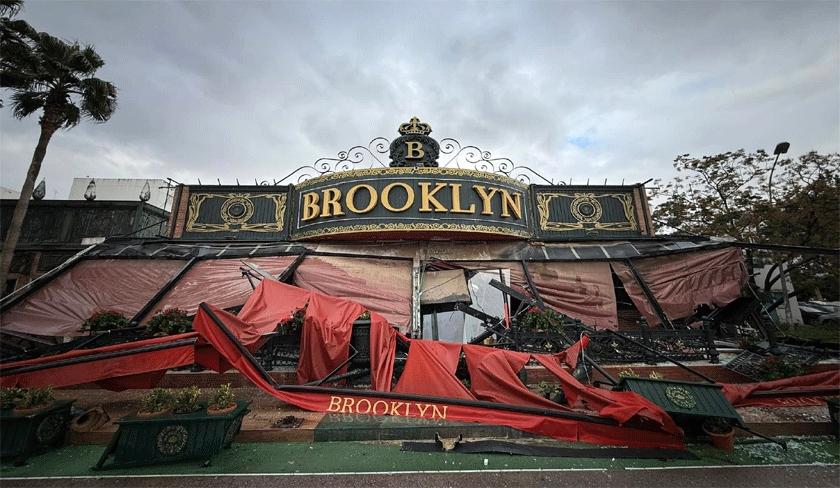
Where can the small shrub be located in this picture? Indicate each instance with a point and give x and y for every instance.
(551, 391)
(105, 320)
(294, 325)
(186, 400)
(628, 373)
(655, 376)
(777, 367)
(222, 398)
(35, 397)
(364, 316)
(169, 322)
(157, 400)
(546, 320)
(10, 396)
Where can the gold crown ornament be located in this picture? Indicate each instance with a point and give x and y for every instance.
(414, 126)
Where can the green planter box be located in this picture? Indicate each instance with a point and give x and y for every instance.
(687, 402)
(170, 438)
(24, 435)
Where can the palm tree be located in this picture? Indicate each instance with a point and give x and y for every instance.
(55, 78)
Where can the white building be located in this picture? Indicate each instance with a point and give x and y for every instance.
(124, 189)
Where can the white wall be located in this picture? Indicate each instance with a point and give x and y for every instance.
(123, 189)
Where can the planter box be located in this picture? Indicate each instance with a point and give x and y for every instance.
(24, 435)
(687, 402)
(170, 438)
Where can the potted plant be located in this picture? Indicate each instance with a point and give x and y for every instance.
(222, 400)
(31, 420)
(551, 391)
(105, 320)
(289, 331)
(157, 402)
(9, 397)
(184, 429)
(34, 400)
(186, 400)
(169, 322)
(720, 432)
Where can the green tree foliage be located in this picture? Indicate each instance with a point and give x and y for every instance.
(733, 195)
(55, 78)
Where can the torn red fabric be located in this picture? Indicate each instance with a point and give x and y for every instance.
(493, 377)
(118, 366)
(377, 403)
(430, 370)
(327, 326)
(622, 406)
(786, 391)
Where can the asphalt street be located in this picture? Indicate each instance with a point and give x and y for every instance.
(803, 476)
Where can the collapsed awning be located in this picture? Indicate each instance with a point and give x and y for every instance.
(61, 306)
(139, 364)
(682, 282)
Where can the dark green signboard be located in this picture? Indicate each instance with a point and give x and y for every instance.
(574, 212)
(247, 213)
(410, 200)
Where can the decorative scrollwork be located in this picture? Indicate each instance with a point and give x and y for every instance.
(375, 154)
(471, 157)
(357, 157)
(172, 439)
(50, 428)
(681, 397)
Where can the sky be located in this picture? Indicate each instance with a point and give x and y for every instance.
(578, 91)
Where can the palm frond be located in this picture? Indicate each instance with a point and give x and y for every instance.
(25, 103)
(10, 8)
(99, 99)
(72, 115)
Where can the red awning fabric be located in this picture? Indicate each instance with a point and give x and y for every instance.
(116, 367)
(783, 392)
(380, 285)
(582, 290)
(681, 282)
(430, 370)
(216, 281)
(348, 401)
(61, 306)
(493, 377)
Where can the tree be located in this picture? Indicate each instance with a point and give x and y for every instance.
(54, 77)
(729, 195)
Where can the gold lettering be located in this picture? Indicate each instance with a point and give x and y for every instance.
(428, 197)
(456, 200)
(359, 406)
(407, 405)
(394, 407)
(409, 200)
(348, 405)
(310, 206)
(486, 198)
(351, 204)
(334, 402)
(331, 204)
(414, 150)
(384, 404)
(437, 412)
(512, 201)
(422, 408)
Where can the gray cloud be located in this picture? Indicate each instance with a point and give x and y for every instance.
(577, 90)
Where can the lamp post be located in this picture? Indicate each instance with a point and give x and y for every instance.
(781, 148)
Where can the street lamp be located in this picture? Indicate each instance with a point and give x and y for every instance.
(781, 148)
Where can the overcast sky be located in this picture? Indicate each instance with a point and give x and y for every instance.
(577, 90)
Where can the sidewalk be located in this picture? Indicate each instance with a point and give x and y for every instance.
(364, 457)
